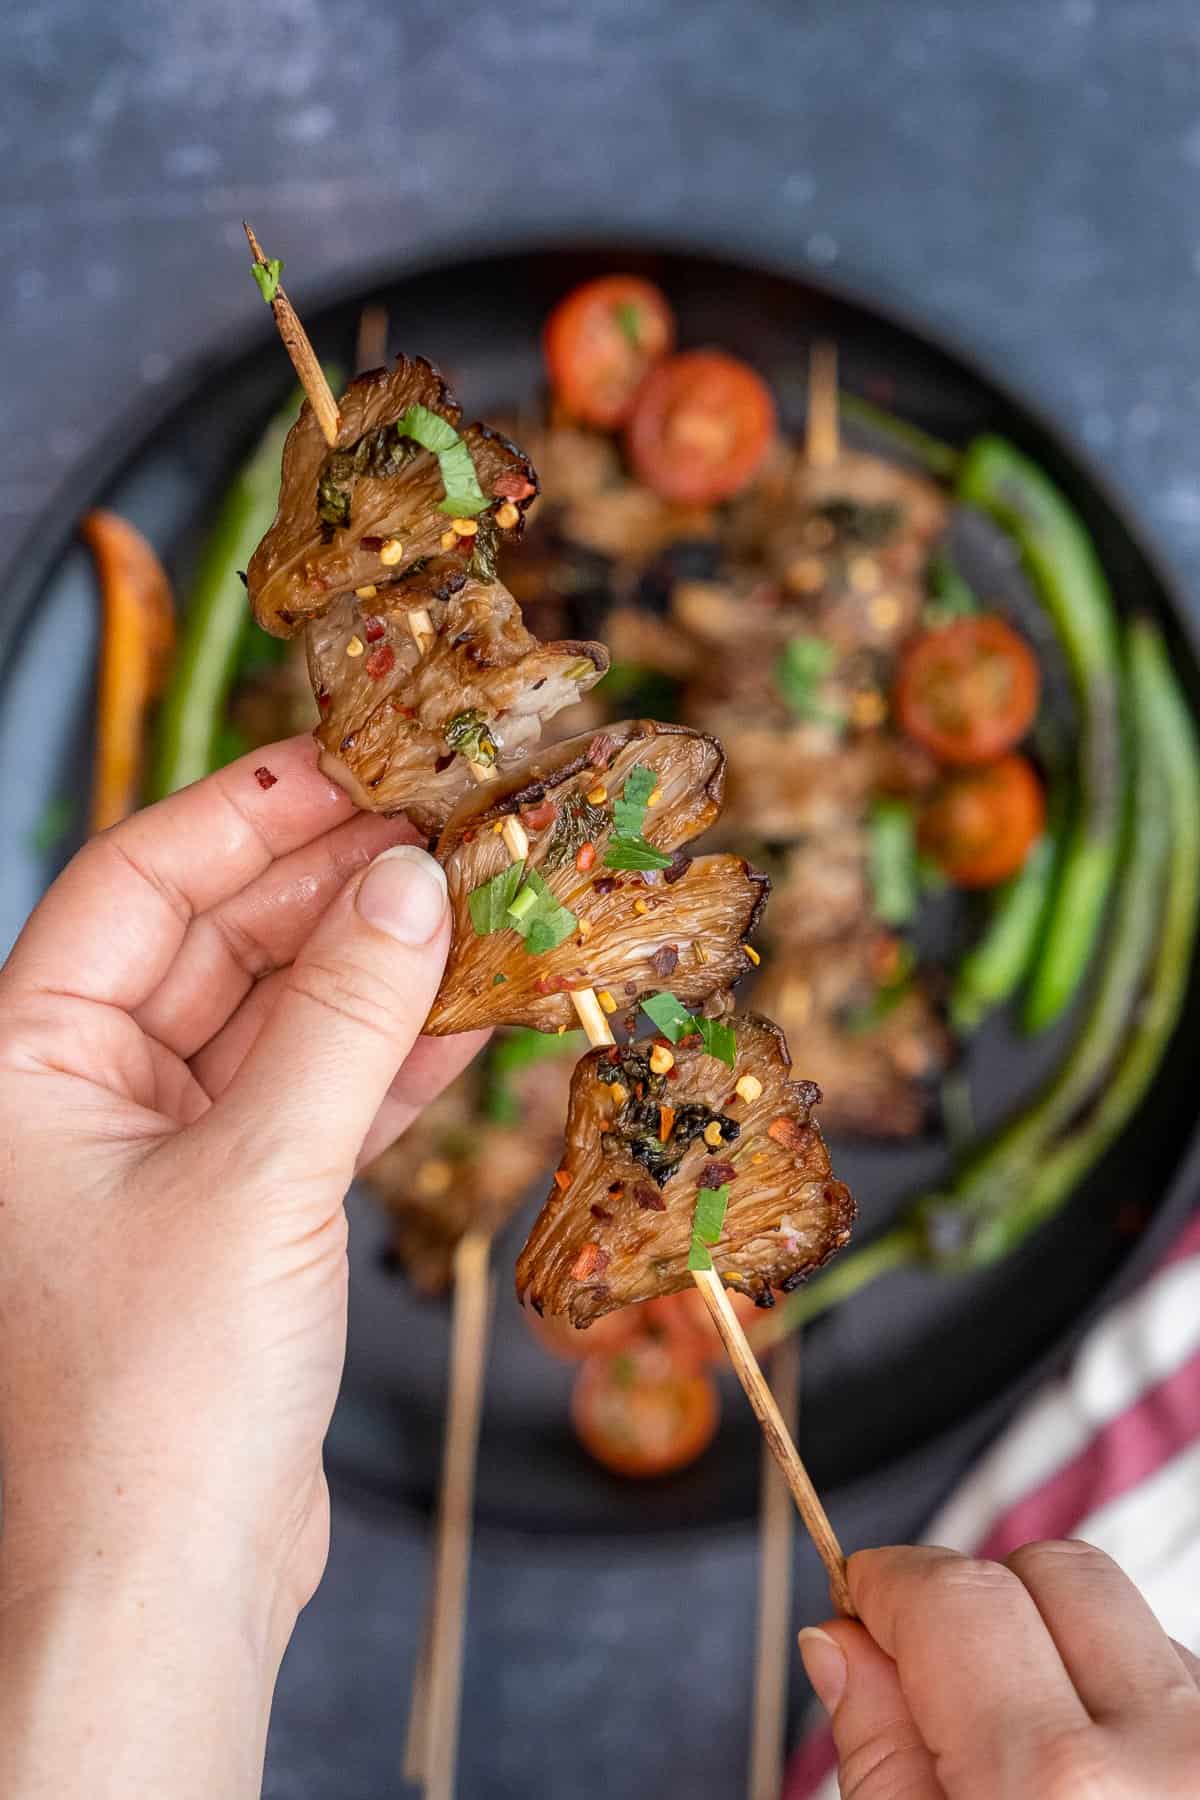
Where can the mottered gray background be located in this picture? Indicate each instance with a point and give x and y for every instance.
(1024, 176)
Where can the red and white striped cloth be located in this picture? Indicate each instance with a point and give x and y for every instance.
(1108, 1451)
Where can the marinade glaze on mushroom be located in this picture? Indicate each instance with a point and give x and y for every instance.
(576, 921)
(641, 1145)
(361, 541)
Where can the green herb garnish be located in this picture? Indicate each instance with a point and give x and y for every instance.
(468, 734)
(675, 1022)
(499, 980)
(378, 453)
(628, 849)
(670, 1015)
(538, 917)
(267, 276)
(892, 862)
(634, 853)
(719, 1038)
(629, 319)
(629, 810)
(489, 902)
(464, 496)
(799, 670)
(708, 1221)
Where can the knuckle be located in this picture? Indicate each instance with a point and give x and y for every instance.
(351, 994)
(1076, 1765)
(971, 1576)
(240, 944)
(891, 1764)
(1053, 1553)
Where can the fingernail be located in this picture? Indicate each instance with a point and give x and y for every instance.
(824, 1665)
(404, 894)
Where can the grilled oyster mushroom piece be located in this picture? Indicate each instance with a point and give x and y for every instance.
(470, 1159)
(341, 509)
(627, 931)
(879, 1064)
(398, 725)
(612, 1232)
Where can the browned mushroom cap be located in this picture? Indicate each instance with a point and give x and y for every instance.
(399, 726)
(617, 1226)
(459, 1167)
(393, 490)
(625, 932)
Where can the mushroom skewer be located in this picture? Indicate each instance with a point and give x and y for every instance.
(281, 570)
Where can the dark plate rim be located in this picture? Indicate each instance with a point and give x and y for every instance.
(48, 540)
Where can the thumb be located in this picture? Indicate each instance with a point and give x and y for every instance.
(880, 1752)
(348, 1013)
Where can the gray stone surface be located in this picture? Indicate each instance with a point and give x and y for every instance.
(1022, 174)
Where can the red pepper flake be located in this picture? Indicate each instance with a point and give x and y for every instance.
(664, 960)
(605, 885)
(649, 1197)
(716, 1174)
(538, 817)
(613, 1055)
(323, 699)
(601, 750)
(373, 630)
(788, 1132)
(381, 662)
(512, 487)
(585, 857)
(680, 864)
(592, 1260)
(666, 1121)
(371, 543)
(264, 778)
(599, 1212)
(562, 1179)
(616, 1187)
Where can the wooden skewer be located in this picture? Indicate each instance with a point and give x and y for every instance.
(776, 1540)
(778, 1437)
(304, 357)
(416, 1738)
(822, 439)
(452, 1553)
(599, 1033)
(595, 1024)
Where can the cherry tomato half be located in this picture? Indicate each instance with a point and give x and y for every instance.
(555, 1333)
(600, 341)
(981, 825)
(702, 424)
(644, 1410)
(968, 691)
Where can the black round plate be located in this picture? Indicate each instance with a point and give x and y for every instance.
(911, 1359)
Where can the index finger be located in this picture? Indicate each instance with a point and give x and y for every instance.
(978, 1668)
(111, 924)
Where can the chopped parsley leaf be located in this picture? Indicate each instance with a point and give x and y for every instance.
(538, 917)
(628, 849)
(708, 1222)
(267, 276)
(490, 901)
(892, 862)
(634, 853)
(629, 810)
(799, 670)
(464, 496)
(675, 1022)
